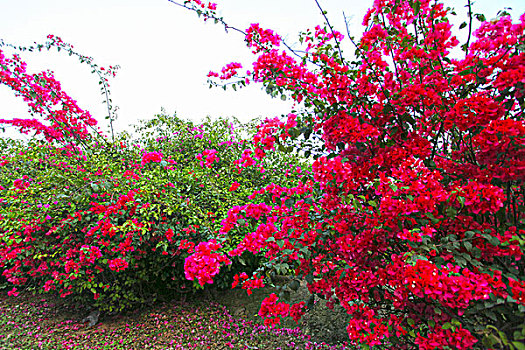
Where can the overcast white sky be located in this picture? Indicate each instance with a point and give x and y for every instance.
(165, 51)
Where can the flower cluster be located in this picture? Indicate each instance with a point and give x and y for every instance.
(235, 185)
(45, 97)
(149, 157)
(118, 264)
(208, 157)
(272, 311)
(205, 262)
(22, 184)
(459, 338)
(248, 283)
(259, 38)
(228, 71)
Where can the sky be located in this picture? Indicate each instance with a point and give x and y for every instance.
(165, 51)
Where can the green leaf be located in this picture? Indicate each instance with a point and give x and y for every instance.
(518, 345)
(451, 212)
(462, 25)
(490, 340)
(432, 218)
(491, 239)
(469, 234)
(417, 7)
(480, 17)
(446, 326)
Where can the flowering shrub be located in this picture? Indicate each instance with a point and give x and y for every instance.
(413, 221)
(113, 222)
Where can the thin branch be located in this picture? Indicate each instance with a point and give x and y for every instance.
(393, 56)
(226, 27)
(218, 19)
(469, 26)
(332, 30)
(108, 103)
(92, 65)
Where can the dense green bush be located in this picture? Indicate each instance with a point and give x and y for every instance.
(113, 223)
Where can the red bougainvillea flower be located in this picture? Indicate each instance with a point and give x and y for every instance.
(234, 186)
(204, 263)
(118, 264)
(152, 157)
(13, 292)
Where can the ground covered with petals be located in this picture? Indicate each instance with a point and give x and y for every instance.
(34, 322)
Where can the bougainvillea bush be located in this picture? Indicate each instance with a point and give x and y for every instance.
(414, 221)
(110, 221)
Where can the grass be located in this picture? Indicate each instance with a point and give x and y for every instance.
(33, 322)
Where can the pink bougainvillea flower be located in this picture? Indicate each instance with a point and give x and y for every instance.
(204, 263)
(151, 157)
(118, 264)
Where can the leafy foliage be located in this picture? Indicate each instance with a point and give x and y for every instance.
(414, 221)
(411, 219)
(114, 223)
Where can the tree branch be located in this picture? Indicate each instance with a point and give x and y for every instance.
(332, 30)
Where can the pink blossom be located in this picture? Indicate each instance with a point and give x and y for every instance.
(151, 157)
(118, 264)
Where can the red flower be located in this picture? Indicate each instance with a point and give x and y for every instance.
(118, 264)
(169, 234)
(151, 157)
(234, 186)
